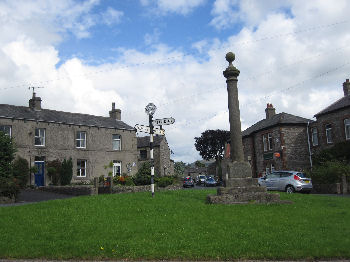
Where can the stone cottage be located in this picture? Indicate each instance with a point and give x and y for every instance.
(93, 142)
(163, 165)
(278, 142)
(333, 123)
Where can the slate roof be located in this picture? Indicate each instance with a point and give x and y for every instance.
(278, 119)
(144, 141)
(52, 116)
(337, 105)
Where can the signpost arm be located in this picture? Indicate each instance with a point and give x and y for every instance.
(151, 153)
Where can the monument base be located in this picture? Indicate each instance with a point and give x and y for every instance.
(241, 188)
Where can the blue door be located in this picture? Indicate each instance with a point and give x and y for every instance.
(39, 176)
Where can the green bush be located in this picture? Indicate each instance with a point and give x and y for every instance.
(165, 181)
(54, 171)
(9, 185)
(129, 181)
(143, 175)
(66, 172)
(329, 172)
(21, 171)
(339, 152)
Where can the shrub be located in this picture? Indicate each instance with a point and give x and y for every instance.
(129, 181)
(9, 185)
(21, 171)
(340, 152)
(329, 172)
(66, 172)
(165, 181)
(143, 175)
(54, 171)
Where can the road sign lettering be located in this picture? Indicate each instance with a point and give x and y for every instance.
(164, 121)
(147, 129)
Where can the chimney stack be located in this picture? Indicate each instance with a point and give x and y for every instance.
(35, 103)
(270, 111)
(115, 113)
(346, 87)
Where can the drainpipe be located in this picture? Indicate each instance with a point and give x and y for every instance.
(308, 142)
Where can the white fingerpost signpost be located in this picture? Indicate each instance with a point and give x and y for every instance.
(150, 110)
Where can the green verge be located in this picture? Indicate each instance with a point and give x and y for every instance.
(176, 225)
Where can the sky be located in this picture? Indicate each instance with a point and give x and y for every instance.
(88, 54)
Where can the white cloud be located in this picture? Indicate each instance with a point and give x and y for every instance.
(112, 16)
(182, 7)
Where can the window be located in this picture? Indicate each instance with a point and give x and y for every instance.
(81, 139)
(314, 136)
(329, 134)
(347, 128)
(267, 142)
(143, 154)
(116, 142)
(6, 129)
(117, 168)
(81, 168)
(40, 136)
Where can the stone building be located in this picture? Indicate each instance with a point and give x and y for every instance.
(278, 142)
(333, 123)
(93, 142)
(163, 165)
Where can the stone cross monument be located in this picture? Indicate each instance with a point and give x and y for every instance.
(240, 186)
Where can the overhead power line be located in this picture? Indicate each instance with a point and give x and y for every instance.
(172, 59)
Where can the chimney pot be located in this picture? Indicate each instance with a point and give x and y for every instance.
(115, 113)
(346, 87)
(270, 111)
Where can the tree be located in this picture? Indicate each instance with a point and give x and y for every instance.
(8, 185)
(21, 171)
(199, 164)
(66, 172)
(179, 168)
(143, 175)
(211, 144)
(54, 170)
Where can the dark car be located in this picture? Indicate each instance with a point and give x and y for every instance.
(188, 182)
(210, 182)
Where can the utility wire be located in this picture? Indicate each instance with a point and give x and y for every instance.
(173, 58)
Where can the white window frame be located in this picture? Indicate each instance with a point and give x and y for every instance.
(117, 164)
(264, 138)
(269, 141)
(80, 139)
(347, 128)
(6, 129)
(329, 137)
(41, 136)
(81, 170)
(115, 140)
(314, 136)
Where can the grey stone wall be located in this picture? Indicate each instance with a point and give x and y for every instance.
(336, 119)
(289, 141)
(60, 144)
(71, 190)
(161, 155)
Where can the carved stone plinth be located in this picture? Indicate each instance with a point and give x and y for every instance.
(241, 188)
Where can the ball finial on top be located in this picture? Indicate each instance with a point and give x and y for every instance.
(230, 57)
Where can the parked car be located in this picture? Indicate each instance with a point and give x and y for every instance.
(201, 179)
(288, 181)
(188, 182)
(210, 182)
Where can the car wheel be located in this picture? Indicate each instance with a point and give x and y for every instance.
(290, 189)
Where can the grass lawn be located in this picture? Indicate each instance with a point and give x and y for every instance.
(176, 225)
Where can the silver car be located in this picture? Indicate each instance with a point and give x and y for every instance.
(289, 181)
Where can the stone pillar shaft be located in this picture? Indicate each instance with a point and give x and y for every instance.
(231, 73)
